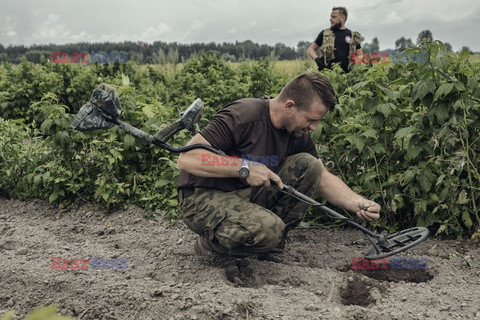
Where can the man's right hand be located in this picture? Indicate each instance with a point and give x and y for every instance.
(320, 64)
(260, 175)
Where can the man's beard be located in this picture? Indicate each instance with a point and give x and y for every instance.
(336, 26)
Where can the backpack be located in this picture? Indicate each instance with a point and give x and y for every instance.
(328, 45)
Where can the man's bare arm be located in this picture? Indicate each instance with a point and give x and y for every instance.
(312, 51)
(335, 191)
(204, 163)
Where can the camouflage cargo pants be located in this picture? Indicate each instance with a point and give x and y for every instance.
(252, 220)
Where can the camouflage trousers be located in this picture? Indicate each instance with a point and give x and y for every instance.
(252, 220)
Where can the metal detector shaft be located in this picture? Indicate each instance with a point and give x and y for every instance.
(153, 140)
(333, 213)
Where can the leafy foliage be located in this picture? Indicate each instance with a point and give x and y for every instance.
(44, 313)
(405, 135)
(408, 136)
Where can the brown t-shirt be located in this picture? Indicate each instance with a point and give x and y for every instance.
(244, 129)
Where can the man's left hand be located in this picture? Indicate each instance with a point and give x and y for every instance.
(368, 210)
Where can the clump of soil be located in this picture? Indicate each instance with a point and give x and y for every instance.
(356, 292)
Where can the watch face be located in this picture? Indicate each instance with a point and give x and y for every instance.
(243, 172)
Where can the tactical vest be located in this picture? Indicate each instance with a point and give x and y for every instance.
(328, 45)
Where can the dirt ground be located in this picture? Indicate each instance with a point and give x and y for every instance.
(165, 279)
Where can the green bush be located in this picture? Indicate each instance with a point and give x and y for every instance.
(405, 135)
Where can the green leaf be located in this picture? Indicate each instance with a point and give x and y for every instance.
(441, 229)
(53, 197)
(46, 125)
(405, 132)
(147, 110)
(468, 72)
(161, 183)
(413, 152)
(357, 142)
(424, 181)
(128, 142)
(420, 207)
(370, 133)
(422, 88)
(386, 108)
(438, 111)
(125, 80)
(466, 219)
(360, 85)
(407, 177)
(457, 104)
(440, 179)
(464, 55)
(444, 90)
(462, 197)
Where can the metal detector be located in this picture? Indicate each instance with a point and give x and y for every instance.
(104, 109)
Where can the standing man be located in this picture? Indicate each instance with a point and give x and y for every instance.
(337, 44)
(229, 201)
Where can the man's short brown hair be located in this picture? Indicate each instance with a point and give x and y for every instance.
(307, 88)
(342, 11)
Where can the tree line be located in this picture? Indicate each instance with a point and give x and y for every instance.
(160, 52)
(406, 43)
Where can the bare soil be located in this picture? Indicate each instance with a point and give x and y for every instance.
(165, 279)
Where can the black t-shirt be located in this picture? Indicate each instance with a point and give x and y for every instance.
(244, 129)
(342, 46)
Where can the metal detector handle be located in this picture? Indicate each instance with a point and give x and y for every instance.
(166, 133)
(187, 121)
(331, 212)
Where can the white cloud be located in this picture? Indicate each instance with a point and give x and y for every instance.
(392, 18)
(7, 30)
(51, 28)
(267, 21)
(154, 33)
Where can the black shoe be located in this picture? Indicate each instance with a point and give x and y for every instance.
(202, 247)
(229, 263)
(233, 272)
(281, 247)
(269, 256)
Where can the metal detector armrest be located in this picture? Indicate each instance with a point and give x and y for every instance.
(187, 121)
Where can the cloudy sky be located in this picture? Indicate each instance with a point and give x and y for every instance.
(263, 21)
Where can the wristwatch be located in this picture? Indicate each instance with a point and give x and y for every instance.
(244, 170)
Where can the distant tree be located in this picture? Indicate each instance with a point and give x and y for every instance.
(302, 47)
(282, 52)
(229, 57)
(425, 35)
(172, 56)
(371, 47)
(403, 44)
(465, 48)
(35, 55)
(375, 45)
(159, 57)
(448, 47)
